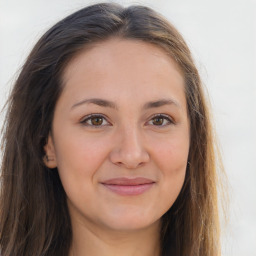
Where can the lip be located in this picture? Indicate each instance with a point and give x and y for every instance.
(128, 186)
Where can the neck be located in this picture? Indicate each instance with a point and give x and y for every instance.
(95, 241)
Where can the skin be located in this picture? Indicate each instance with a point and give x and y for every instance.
(126, 140)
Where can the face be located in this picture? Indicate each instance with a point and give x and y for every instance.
(120, 135)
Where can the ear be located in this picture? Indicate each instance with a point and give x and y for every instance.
(50, 156)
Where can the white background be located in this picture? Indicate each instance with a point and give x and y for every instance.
(222, 37)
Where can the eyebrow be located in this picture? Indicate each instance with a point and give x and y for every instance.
(110, 104)
(160, 103)
(99, 102)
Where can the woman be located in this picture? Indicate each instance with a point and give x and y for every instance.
(108, 147)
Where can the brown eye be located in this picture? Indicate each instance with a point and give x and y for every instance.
(161, 120)
(158, 121)
(96, 121)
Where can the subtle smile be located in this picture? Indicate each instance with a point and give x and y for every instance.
(128, 187)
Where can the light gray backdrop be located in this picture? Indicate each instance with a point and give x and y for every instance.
(222, 37)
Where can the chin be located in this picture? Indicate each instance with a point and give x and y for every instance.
(130, 222)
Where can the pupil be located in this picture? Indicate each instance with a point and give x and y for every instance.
(97, 121)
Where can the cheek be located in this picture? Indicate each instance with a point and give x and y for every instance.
(78, 159)
(171, 154)
(80, 151)
(171, 158)
(173, 164)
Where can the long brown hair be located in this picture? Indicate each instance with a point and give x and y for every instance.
(34, 218)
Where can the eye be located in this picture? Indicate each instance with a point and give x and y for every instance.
(161, 120)
(95, 120)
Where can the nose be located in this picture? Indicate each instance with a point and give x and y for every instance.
(129, 150)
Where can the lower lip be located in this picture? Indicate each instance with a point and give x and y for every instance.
(129, 190)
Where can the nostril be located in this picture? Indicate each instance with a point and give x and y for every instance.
(129, 165)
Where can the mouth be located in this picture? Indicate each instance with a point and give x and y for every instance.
(128, 187)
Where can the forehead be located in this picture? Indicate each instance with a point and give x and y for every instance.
(121, 67)
(101, 53)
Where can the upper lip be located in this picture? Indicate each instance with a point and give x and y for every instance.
(128, 181)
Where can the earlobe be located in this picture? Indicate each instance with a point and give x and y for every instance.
(50, 156)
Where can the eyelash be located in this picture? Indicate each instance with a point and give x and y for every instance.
(165, 117)
(93, 116)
